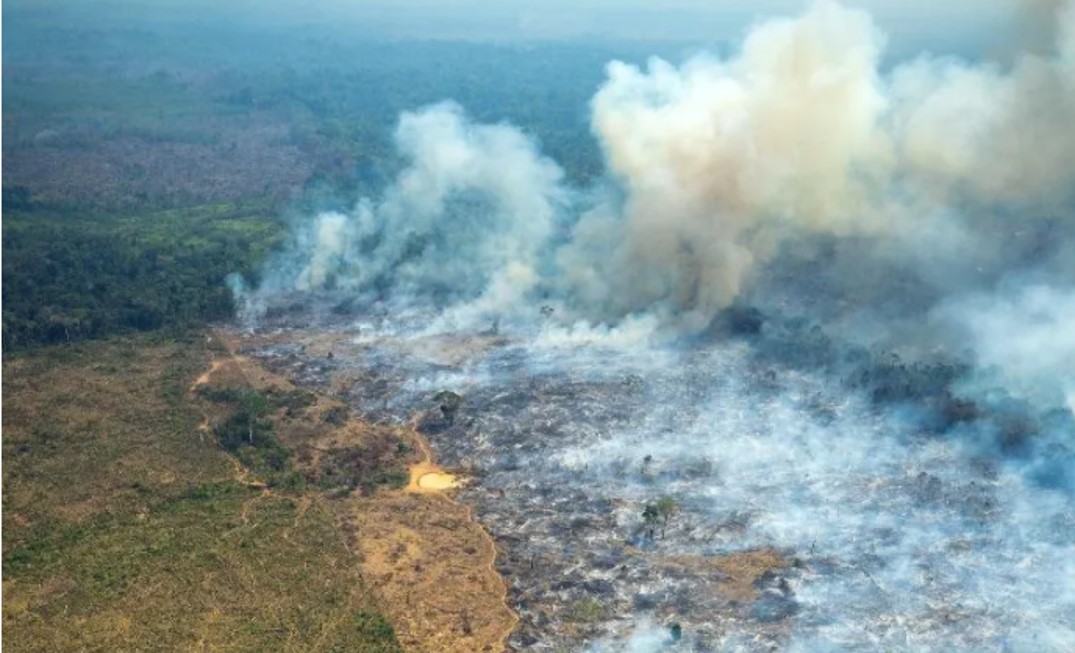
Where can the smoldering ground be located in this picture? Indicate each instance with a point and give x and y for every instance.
(907, 518)
(848, 291)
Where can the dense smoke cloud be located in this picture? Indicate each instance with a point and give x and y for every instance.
(958, 174)
(988, 135)
(716, 154)
(721, 160)
(464, 222)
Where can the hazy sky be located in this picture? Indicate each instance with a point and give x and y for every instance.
(651, 19)
(972, 27)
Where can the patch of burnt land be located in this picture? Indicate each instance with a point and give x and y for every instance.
(623, 487)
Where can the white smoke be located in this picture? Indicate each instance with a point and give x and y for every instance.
(800, 132)
(950, 172)
(464, 222)
(714, 166)
(1024, 341)
(714, 152)
(332, 240)
(994, 136)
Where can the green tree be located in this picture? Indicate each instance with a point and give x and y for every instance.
(659, 513)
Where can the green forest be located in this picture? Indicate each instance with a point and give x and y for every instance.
(69, 277)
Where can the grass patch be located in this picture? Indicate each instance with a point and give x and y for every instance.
(125, 531)
(586, 611)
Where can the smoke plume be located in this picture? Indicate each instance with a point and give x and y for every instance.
(957, 176)
(464, 222)
(722, 160)
(1025, 341)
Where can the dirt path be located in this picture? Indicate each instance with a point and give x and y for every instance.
(433, 563)
(490, 554)
(428, 479)
(203, 379)
(240, 473)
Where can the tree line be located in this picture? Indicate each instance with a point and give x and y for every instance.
(68, 277)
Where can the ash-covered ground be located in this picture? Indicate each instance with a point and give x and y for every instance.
(716, 494)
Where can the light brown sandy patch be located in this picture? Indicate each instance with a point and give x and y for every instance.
(425, 475)
(433, 567)
(735, 573)
(437, 481)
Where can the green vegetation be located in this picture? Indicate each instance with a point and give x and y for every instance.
(587, 610)
(449, 403)
(363, 468)
(675, 631)
(144, 160)
(271, 399)
(247, 432)
(667, 507)
(67, 277)
(123, 530)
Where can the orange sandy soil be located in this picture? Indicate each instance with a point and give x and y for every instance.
(425, 555)
(734, 574)
(434, 570)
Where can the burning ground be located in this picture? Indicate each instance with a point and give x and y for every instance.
(712, 494)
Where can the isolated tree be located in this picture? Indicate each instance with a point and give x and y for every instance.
(650, 514)
(646, 469)
(659, 513)
(667, 507)
(450, 403)
(255, 405)
(650, 517)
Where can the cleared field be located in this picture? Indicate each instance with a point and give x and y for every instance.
(127, 529)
